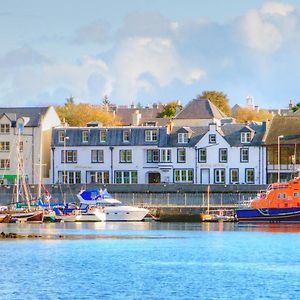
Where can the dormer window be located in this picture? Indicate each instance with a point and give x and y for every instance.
(182, 138)
(151, 135)
(245, 137)
(126, 136)
(85, 136)
(4, 128)
(212, 139)
(102, 136)
(61, 136)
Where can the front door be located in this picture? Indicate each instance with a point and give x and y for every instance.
(154, 177)
(204, 176)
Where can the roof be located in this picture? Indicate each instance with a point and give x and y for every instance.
(32, 113)
(148, 114)
(288, 126)
(197, 134)
(200, 109)
(114, 136)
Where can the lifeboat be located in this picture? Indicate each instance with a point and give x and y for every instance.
(279, 203)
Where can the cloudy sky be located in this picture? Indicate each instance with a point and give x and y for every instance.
(138, 51)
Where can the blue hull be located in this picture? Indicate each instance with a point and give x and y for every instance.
(291, 214)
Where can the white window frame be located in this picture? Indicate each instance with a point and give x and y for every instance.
(69, 156)
(183, 176)
(245, 137)
(61, 136)
(125, 156)
(97, 177)
(247, 176)
(182, 137)
(151, 135)
(85, 136)
(238, 175)
(165, 155)
(120, 177)
(97, 156)
(4, 146)
(4, 164)
(152, 155)
(212, 138)
(200, 155)
(181, 155)
(219, 176)
(126, 136)
(102, 136)
(242, 155)
(223, 151)
(69, 177)
(4, 128)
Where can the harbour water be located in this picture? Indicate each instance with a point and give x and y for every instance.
(150, 260)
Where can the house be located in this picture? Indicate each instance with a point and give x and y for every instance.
(29, 129)
(198, 112)
(283, 138)
(227, 154)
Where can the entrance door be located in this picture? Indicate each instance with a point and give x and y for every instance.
(204, 175)
(154, 177)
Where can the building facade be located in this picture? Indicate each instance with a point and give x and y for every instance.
(25, 132)
(212, 154)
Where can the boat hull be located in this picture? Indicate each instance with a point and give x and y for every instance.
(124, 213)
(291, 214)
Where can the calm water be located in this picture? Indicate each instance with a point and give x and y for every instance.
(165, 261)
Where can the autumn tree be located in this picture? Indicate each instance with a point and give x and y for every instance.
(219, 99)
(83, 113)
(244, 114)
(170, 109)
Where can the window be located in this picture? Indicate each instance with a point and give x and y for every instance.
(182, 138)
(126, 177)
(125, 156)
(249, 175)
(165, 155)
(234, 175)
(245, 137)
(219, 175)
(4, 164)
(69, 177)
(4, 146)
(244, 155)
(202, 155)
(85, 136)
(222, 155)
(61, 136)
(183, 175)
(212, 139)
(152, 155)
(4, 128)
(97, 177)
(102, 136)
(97, 156)
(21, 146)
(181, 156)
(126, 136)
(69, 156)
(151, 135)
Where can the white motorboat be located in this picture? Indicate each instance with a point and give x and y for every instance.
(111, 209)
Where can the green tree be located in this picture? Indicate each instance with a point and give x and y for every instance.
(170, 109)
(217, 98)
(296, 107)
(105, 100)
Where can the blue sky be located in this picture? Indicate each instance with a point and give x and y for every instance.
(139, 51)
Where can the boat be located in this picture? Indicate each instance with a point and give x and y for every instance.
(208, 216)
(105, 208)
(279, 203)
(5, 218)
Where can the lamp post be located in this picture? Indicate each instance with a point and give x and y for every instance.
(278, 158)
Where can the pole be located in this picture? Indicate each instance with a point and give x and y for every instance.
(278, 157)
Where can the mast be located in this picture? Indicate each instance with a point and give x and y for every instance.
(18, 165)
(208, 195)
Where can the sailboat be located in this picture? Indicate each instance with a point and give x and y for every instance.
(207, 216)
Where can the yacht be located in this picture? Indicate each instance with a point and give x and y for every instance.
(107, 208)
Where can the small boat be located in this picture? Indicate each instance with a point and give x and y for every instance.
(279, 203)
(5, 218)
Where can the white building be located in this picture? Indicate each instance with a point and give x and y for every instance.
(227, 154)
(30, 128)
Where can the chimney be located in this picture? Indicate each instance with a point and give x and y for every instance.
(136, 118)
(291, 104)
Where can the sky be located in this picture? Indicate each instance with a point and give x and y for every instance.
(138, 51)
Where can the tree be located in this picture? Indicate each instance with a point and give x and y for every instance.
(105, 100)
(82, 113)
(244, 114)
(296, 107)
(170, 109)
(217, 98)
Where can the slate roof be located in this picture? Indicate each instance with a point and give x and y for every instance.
(288, 126)
(196, 136)
(32, 113)
(200, 109)
(124, 114)
(114, 136)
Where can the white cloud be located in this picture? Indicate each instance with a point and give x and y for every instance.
(276, 8)
(154, 56)
(261, 35)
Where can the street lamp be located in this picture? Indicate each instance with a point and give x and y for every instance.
(278, 157)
